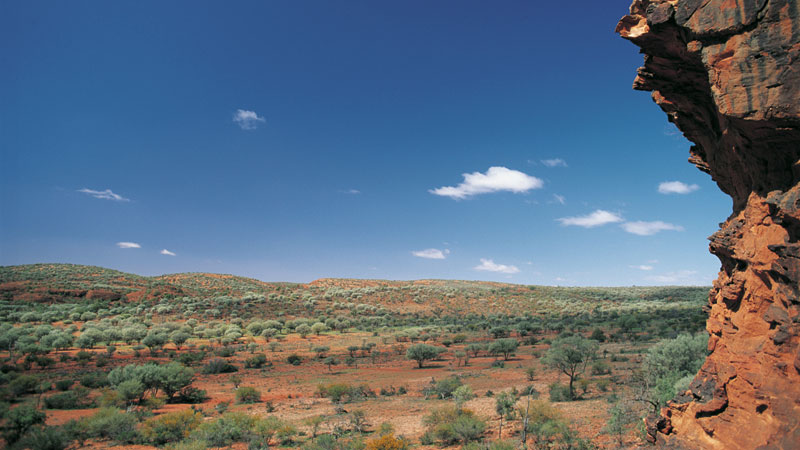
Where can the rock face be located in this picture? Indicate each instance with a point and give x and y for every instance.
(727, 73)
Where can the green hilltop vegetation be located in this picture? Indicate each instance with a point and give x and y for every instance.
(377, 302)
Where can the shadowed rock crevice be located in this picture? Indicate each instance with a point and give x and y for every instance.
(727, 74)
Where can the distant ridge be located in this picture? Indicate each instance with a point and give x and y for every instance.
(71, 283)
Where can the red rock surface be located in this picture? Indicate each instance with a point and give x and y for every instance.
(727, 73)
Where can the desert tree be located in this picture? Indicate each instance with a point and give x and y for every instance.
(505, 347)
(504, 406)
(570, 355)
(423, 352)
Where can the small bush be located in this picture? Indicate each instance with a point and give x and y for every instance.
(21, 419)
(294, 359)
(343, 392)
(498, 364)
(111, 423)
(225, 352)
(102, 360)
(256, 362)
(427, 438)
(65, 400)
(247, 394)
(23, 384)
(191, 395)
(190, 358)
(218, 365)
(83, 357)
(559, 393)
(230, 428)
(45, 438)
(94, 380)
(452, 425)
(387, 442)
(494, 445)
(601, 368)
(171, 427)
(443, 388)
(63, 385)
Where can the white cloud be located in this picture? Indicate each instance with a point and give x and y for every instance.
(247, 120)
(495, 179)
(555, 162)
(681, 276)
(128, 245)
(642, 228)
(105, 195)
(431, 253)
(351, 191)
(595, 219)
(167, 252)
(488, 265)
(676, 187)
(642, 267)
(560, 199)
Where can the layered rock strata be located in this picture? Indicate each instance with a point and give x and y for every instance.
(727, 73)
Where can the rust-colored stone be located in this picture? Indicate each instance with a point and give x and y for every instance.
(727, 73)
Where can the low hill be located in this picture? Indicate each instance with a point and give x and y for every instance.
(69, 283)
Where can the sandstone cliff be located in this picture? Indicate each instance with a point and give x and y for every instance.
(727, 73)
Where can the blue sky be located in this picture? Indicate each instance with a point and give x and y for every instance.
(295, 140)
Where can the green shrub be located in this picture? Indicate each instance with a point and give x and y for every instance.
(83, 357)
(66, 400)
(294, 359)
(229, 428)
(218, 365)
(171, 427)
(494, 445)
(225, 352)
(427, 438)
(23, 384)
(247, 394)
(669, 364)
(601, 367)
(189, 445)
(113, 424)
(190, 358)
(256, 362)
(598, 335)
(45, 438)
(548, 426)
(443, 388)
(452, 425)
(343, 392)
(559, 393)
(94, 380)
(21, 419)
(63, 385)
(191, 395)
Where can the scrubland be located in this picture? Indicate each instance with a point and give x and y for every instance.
(94, 358)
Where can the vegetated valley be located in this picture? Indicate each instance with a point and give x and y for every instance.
(96, 358)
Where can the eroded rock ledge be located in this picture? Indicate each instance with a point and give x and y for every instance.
(727, 73)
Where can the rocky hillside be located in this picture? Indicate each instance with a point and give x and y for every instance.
(727, 73)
